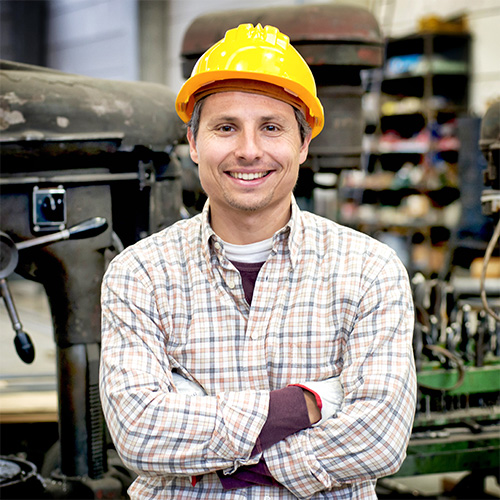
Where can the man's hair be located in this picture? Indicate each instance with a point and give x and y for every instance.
(194, 122)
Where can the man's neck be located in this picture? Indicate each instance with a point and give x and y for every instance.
(243, 228)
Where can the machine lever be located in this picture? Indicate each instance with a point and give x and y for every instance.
(85, 229)
(22, 341)
(8, 262)
(88, 228)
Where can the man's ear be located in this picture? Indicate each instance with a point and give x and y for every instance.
(304, 148)
(192, 145)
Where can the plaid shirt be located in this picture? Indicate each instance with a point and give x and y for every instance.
(328, 301)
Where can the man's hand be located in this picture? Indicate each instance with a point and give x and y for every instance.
(312, 406)
(323, 399)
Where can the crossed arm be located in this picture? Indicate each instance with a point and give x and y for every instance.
(291, 410)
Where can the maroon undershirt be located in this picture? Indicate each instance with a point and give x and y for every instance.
(287, 411)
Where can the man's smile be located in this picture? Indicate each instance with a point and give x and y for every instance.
(248, 176)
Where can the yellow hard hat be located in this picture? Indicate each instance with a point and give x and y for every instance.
(262, 55)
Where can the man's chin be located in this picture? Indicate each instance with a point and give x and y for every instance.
(248, 206)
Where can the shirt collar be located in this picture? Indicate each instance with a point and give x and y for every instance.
(295, 232)
(208, 236)
(291, 234)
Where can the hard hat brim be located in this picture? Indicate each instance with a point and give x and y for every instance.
(186, 97)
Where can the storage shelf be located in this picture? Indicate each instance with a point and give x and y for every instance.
(423, 89)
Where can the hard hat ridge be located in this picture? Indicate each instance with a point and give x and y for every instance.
(268, 34)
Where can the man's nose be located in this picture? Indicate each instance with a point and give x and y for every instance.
(249, 147)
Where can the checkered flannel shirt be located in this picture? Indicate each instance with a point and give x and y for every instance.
(328, 301)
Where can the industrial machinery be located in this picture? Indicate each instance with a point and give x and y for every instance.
(457, 351)
(87, 160)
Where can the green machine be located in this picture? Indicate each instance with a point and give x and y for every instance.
(457, 352)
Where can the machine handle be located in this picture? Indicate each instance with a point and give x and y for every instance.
(22, 341)
(85, 229)
(24, 347)
(88, 228)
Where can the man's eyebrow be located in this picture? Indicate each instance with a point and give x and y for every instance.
(229, 118)
(222, 116)
(272, 118)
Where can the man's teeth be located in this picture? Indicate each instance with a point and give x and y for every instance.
(248, 176)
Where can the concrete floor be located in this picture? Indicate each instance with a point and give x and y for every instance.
(20, 384)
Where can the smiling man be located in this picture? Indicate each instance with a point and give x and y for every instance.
(248, 162)
(256, 350)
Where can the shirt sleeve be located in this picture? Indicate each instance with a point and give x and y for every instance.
(369, 436)
(156, 430)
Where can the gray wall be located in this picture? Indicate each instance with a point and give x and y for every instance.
(94, 37)
(141, 39)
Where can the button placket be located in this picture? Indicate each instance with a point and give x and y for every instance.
(228, 273)
(259, 322)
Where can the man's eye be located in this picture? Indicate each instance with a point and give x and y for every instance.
(225, 128)
(271, 128)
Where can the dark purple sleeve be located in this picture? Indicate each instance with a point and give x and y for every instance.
(247, 476)
(287, 415)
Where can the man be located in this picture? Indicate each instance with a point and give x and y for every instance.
(255, 350)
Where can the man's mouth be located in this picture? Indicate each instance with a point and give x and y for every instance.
(248, 176)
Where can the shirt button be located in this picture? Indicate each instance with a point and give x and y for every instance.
(217, 245)
(231, 284)
(267, 497)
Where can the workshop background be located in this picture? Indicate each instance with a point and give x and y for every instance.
(402, 158)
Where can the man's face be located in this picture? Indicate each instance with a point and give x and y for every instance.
(248, 150)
